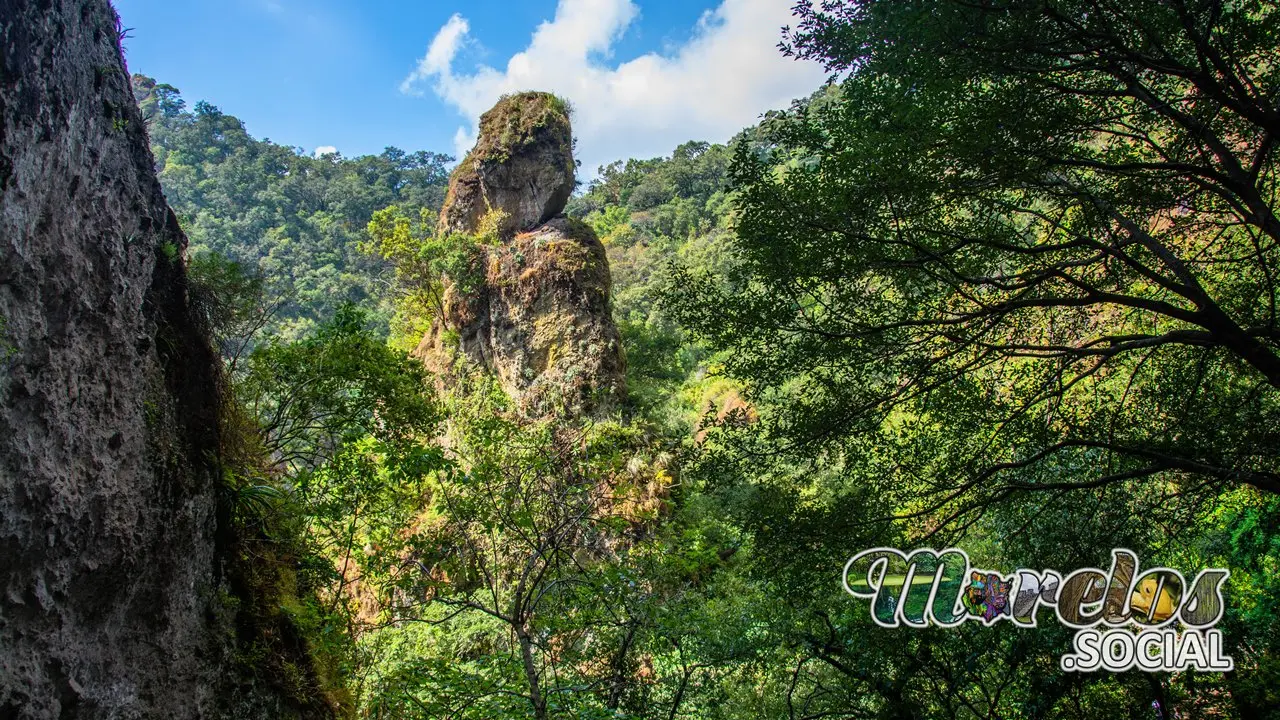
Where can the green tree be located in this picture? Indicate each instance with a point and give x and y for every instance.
(428, 267)
(523, 558)
(1045, 228)
(1009, 279)
(315, 396)
(233, 303)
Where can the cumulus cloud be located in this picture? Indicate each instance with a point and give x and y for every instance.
(325, 150)
(716, 83)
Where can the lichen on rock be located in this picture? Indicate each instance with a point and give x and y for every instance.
(540, 320)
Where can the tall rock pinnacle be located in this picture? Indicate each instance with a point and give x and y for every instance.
(540, 320)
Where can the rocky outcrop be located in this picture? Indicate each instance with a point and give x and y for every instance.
(522, 166)
(110, 558)
(540, 319)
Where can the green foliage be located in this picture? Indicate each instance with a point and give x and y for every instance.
(427, 265)
(998, 286)
(232, 303)
(649, 213)
(157, 99)
(505, 545)
(551, 585)
(328, 446)
(1060, 288)
(318, 395)
(294, 220)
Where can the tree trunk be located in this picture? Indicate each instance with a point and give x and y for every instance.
(531, 672)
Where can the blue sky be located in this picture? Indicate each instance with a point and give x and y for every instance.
(644, 75)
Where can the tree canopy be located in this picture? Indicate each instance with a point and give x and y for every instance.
(293, 219)
(1046, 228)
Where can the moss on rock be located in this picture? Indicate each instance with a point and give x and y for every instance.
(522, 120)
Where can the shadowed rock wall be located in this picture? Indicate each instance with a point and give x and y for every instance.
(109, 563)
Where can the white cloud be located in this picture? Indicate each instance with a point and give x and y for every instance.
(325, 150)
(440, 54)
(719, 81)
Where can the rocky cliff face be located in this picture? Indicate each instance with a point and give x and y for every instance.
(109, 563)
(540, 320)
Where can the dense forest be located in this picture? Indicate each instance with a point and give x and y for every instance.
(293, 220)
(1006, 283)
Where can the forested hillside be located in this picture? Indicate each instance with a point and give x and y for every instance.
(1007, 284)
(294, 219)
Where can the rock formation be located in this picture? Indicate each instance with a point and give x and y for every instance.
(109, 524)
(522, 165)
(540, 320)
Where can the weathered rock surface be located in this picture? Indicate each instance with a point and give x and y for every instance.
(522, 165)
(109, 558)
(540, 320)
